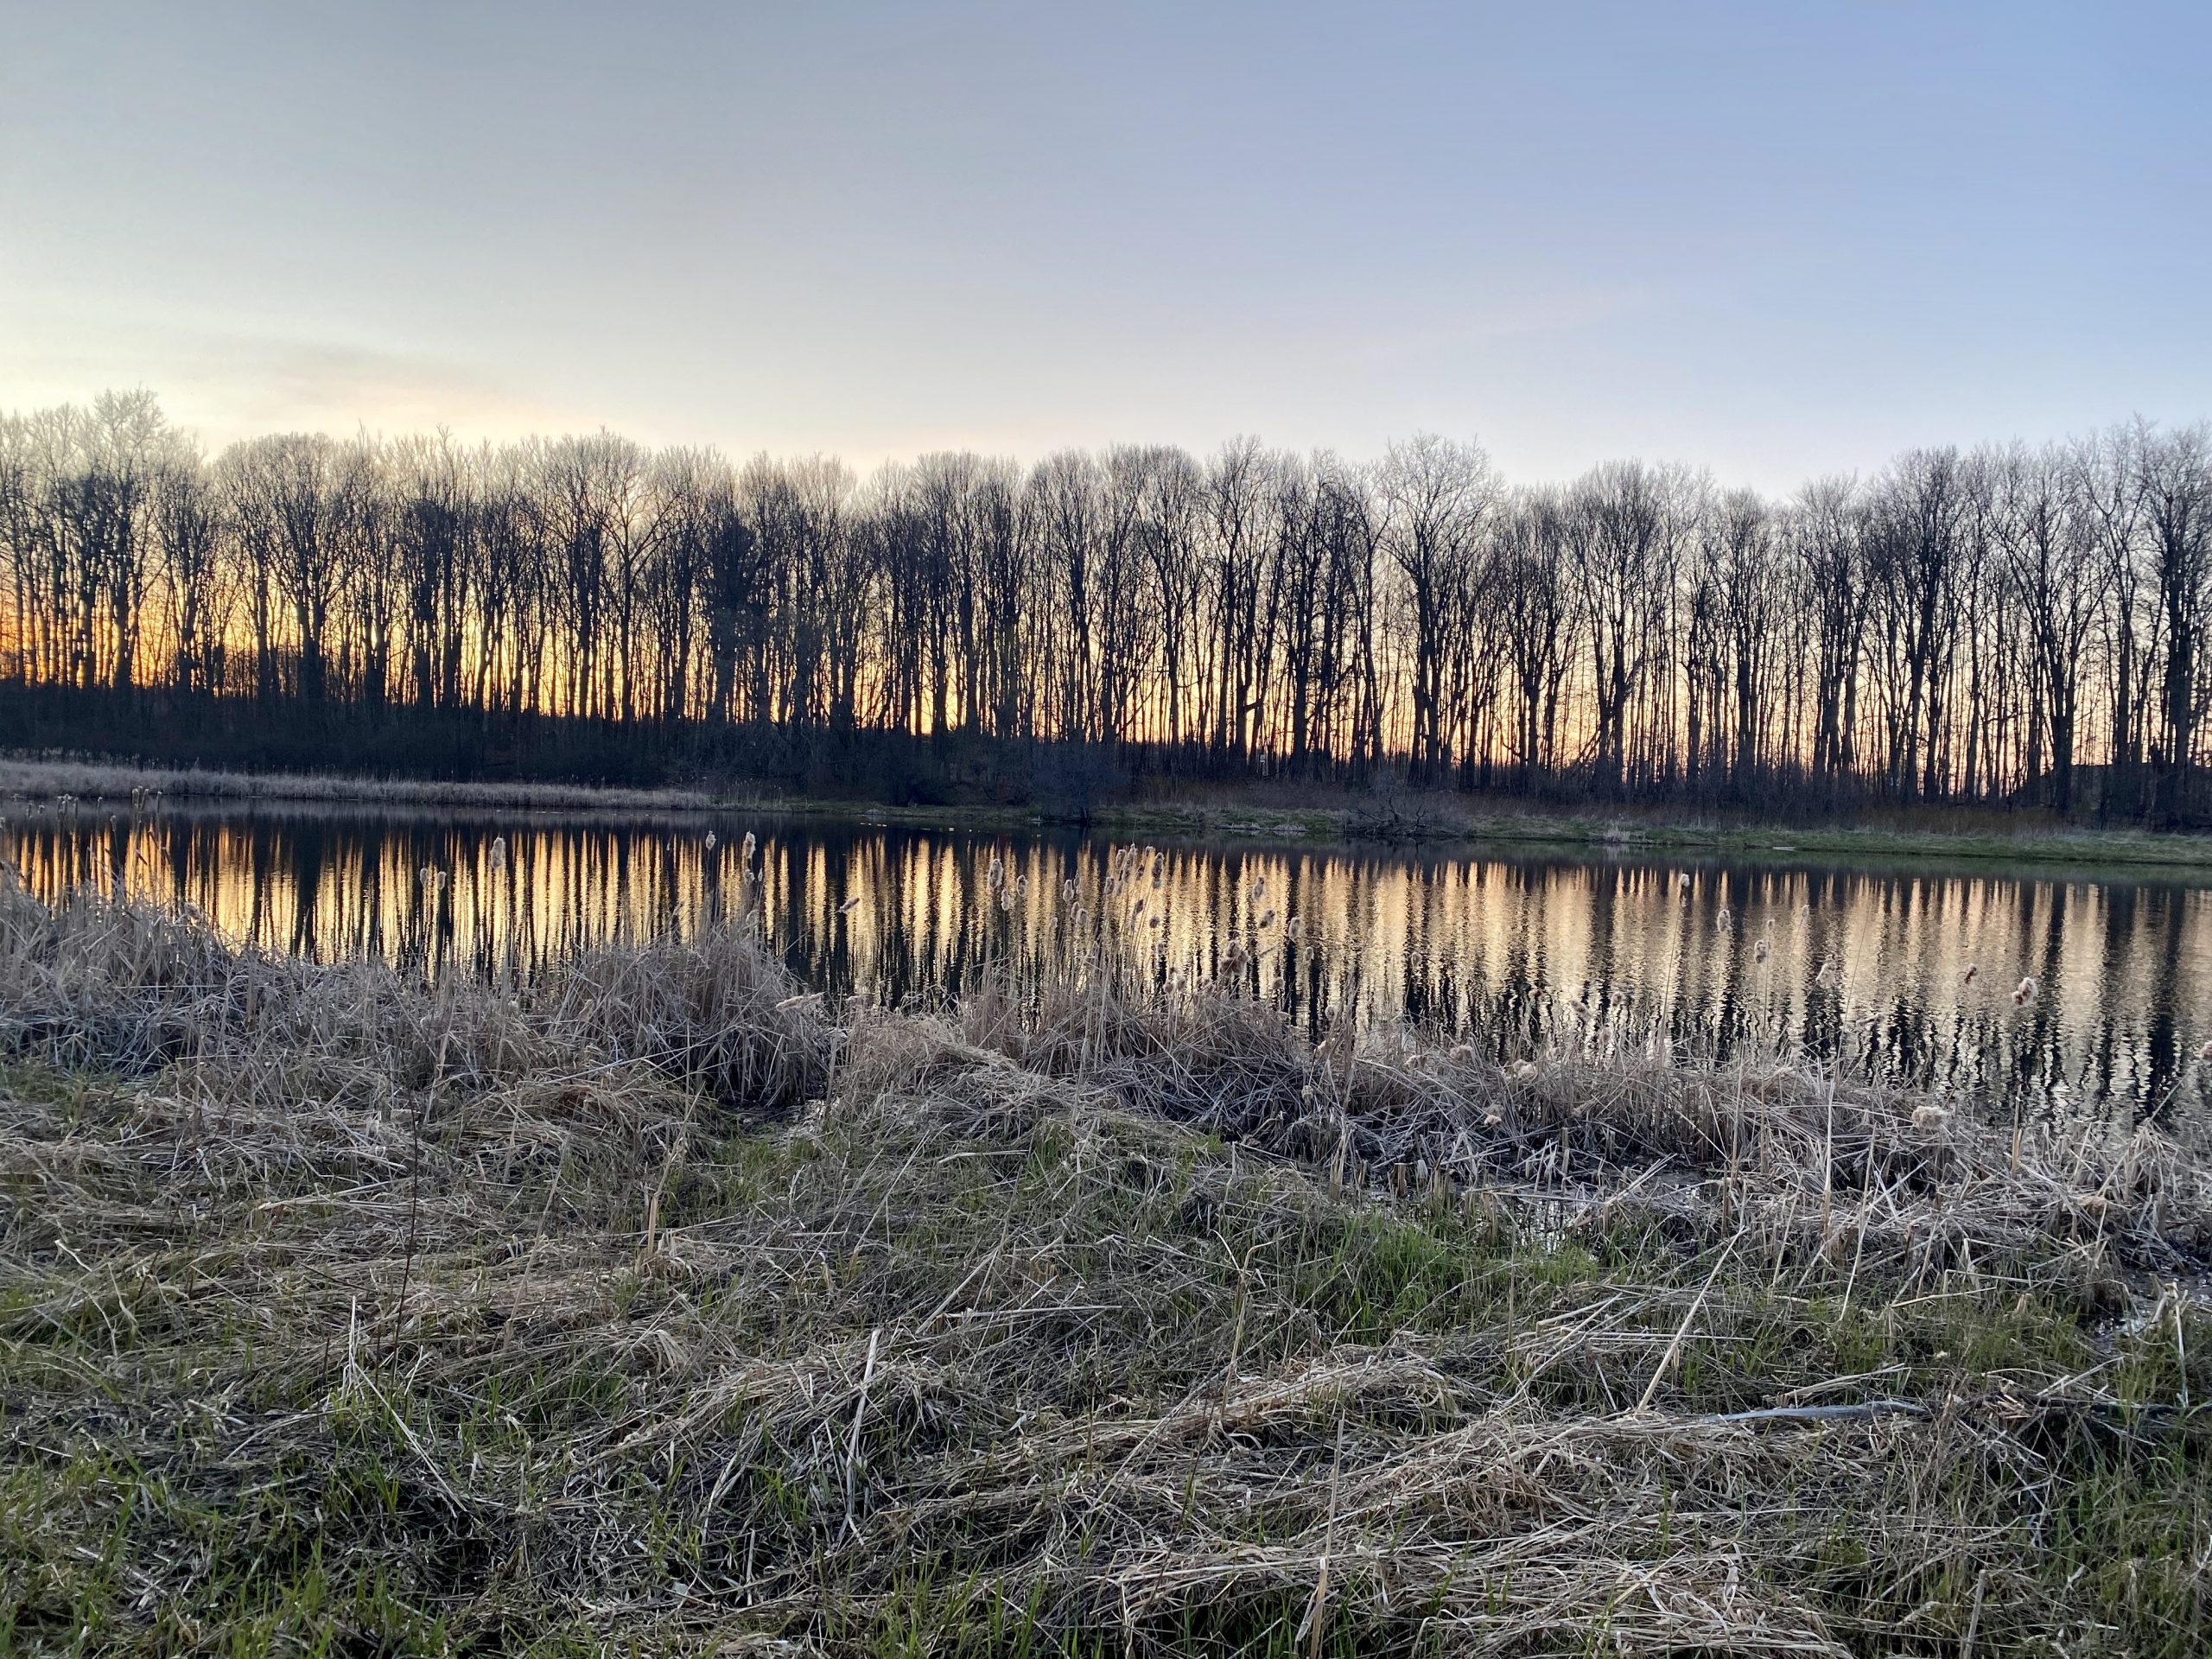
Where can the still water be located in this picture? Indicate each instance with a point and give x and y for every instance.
(1913, 974)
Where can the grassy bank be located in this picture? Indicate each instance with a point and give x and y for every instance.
(86, 780)
(652, 1305)
(1279, 813)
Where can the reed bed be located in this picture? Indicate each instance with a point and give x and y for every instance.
(69, 780)
(651, 1304)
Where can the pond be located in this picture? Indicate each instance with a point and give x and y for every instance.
(1915, 973)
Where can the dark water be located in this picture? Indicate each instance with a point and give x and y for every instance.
(1865, 969)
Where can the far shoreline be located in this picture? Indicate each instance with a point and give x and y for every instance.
(1406, 821)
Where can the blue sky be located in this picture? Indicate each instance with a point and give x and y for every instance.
(1776, 238)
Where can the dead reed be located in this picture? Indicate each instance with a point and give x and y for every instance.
(69, 780)
(338, 1313)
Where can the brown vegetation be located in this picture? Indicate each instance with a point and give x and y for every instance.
(652, 1303)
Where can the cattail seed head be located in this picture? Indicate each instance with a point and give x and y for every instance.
(1296, 930)
(2024, 993)
(1761, 950)
(849, 906)
(711, 840)
(1927, 1117)
(1973, 967)
(498, 852)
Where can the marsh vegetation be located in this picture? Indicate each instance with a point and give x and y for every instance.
(650, 1300)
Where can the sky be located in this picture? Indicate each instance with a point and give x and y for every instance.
(1780, 238)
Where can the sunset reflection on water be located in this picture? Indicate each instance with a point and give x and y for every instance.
(1867, 967)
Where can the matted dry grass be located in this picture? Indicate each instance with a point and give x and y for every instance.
(652, 1305)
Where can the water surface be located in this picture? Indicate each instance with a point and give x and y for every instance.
(1914, 974)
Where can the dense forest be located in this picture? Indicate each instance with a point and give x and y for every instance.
(2002, 626)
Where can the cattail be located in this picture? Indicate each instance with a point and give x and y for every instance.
(1268, 919)
(2024, 993)
(1137, 915)
(1464, 1054)
(1724, 921)
(1296, 930)
(750, 843)
(712, 840)
(849, 906)
(1154, 923)
(1259, 889)
(1759, 951)
(1068, 891)
(1973, 967)
(1524, 1069)
(498, 852)
(1929, 1117)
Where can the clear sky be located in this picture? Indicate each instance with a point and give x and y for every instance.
(1776, 238)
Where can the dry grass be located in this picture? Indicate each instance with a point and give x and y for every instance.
(49, 780)
(642, 1307)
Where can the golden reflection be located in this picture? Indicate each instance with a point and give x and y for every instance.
(1857, 967)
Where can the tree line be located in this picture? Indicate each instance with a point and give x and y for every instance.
(2002, 625)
